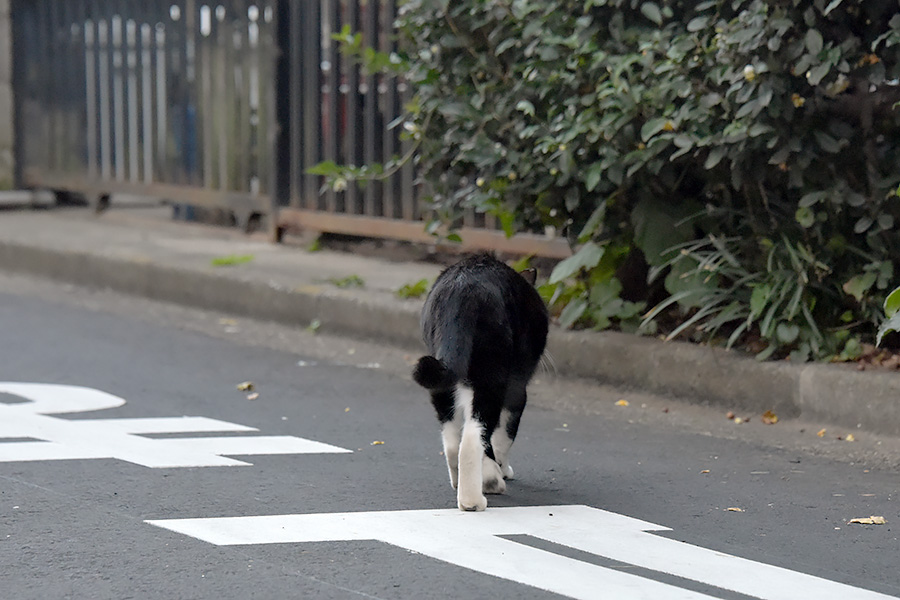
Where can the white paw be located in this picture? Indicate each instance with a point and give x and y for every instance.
(508, 472)
(454, 480)
(492, 477)
(495, 486)
(474, 503)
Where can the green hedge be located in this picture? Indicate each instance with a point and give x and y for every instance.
(746, 152)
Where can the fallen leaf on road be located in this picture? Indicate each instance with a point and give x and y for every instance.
(734, 509)
(347, 409)
(738, 420)
(253, 396)
(821, 433)
(246, 386)
(850, 438)
(377, 443)
(231, 260)
(868, 521)
(769, 418)
(622, 402)
(704, 471)
(730, 415)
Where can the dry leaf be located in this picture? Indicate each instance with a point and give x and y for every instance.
(738, 420)
(868, 521)
(769, 418)
(377, 443)
(821, 433)
(622, 402)
(247, 386)
(850, 438)
(730, 415)
(734, 509)
(704, 471)
(253, 396)
(347, 409)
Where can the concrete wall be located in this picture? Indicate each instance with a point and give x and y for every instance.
(6, 99)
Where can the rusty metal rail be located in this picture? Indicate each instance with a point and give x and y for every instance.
(223, 104)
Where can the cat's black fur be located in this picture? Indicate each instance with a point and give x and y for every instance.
(485, 328)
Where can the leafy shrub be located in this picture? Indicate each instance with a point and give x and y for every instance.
(744, 151)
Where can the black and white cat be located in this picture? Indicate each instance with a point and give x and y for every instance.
(485, 328)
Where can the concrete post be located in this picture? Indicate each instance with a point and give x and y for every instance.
(6, 99)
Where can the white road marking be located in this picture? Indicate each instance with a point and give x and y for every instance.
(471, 540)
(64, 439)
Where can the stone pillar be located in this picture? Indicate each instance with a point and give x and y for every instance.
(6, 99)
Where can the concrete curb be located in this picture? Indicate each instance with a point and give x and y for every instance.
(830, 393)
(337, 311)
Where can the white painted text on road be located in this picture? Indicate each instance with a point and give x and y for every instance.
(53, 438)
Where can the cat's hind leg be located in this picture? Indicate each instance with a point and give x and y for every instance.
(469, 494)
(505, 434)
(502, 441)
(491, 477)
(451, 436)
(451, 419)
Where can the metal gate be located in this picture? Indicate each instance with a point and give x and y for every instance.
(223, 104)
(163, 98)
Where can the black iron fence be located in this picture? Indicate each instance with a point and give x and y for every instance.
(223, 104)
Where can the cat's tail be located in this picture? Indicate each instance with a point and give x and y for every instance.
(432, 374)
(450, 363)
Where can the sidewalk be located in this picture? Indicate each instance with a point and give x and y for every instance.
(141, 252)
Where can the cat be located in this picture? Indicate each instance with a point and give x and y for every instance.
(485, 328)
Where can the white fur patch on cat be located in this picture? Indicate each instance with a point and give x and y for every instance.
(469, 494)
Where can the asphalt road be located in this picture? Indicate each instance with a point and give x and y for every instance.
(78, 527)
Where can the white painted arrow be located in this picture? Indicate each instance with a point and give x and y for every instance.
(471, 540)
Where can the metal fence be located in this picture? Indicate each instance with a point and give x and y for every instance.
(223, 104)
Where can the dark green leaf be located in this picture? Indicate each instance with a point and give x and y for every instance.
(805, 216)
(593, 176)
(715, 157)
(327, 167)
(594, 223)
(814, 41)
(572, 312)
(859, 285)
(892, 303)
(831, 6)
(786, 333)
(587, 257)
(863, 225)
(826, 142)
(892, 324)
(817, 73)
(652, 127)
(697, 23)
(526, 107)
(652, 12)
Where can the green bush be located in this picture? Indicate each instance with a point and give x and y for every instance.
(746, 152)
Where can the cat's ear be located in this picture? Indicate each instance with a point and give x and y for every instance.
(529, 275)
